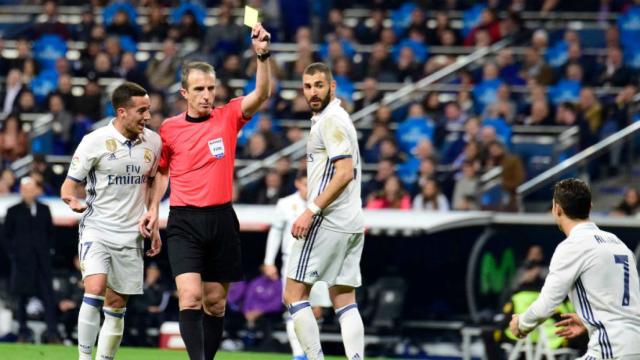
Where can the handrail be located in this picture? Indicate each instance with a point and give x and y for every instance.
(400, 94)
(577, 160)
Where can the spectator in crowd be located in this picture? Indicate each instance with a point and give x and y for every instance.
(591, 109)
(7, 181)
(28, 231)
(82, 30)
(567, 114)
(629, 205)
(532, 272)
(224, 38)
(64, 91)
(426, 170)
(14, 141)
(61, 125)
(370, 94)
(380, 65)
(534, 68)
(27, 103)
(471, 134)
(90, 103)
(489, 22)
(11, 92)
(162, 73)
(257, 147)
(539, 114)
(121, 25)
(513, 173)
(157, 26)
(392, 196)
(23, 48)
(102, 66)
(615, 72)
(270, 190)
(430, 198)
(465, 190)
(130, 70)
(186, 29)
(385, 169)
(48, 22)
(287, 174)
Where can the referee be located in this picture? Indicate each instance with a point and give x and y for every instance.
(198, 152)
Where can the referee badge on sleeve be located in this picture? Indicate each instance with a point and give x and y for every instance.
(216, 146)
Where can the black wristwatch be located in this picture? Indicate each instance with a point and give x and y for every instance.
(263, 56)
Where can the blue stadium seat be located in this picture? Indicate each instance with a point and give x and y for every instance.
(48, 49)
(109, 12)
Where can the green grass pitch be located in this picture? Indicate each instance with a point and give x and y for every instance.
(59, 352)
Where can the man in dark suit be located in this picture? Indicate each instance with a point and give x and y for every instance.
(28, 233)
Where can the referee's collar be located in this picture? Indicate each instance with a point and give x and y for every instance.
(325, 111)
(118, 135)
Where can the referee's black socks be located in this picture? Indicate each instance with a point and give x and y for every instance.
(213, 327)
(191, 330)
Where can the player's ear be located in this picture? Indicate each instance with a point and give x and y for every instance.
(333, 86)
(183, 92)
(120, 112)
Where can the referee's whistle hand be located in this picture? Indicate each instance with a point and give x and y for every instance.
(301, 226)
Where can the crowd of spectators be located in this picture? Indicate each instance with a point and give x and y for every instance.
(436, 147)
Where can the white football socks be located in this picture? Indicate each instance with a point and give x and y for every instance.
(306, 328)
(111, 333)
(352, 331)
(88, 324)
(296, 349)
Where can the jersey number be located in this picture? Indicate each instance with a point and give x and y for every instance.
(87, 246)
(624, 260)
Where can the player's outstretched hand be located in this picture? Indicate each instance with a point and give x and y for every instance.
(515, 329)
(301, 227)
(148, 222)
(156, 244)
(570, 326)
(260, 39)
(75, 205)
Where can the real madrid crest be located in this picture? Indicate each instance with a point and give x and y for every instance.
(148, 156)
(111, 145)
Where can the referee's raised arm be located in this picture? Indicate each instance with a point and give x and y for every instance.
(252, 101)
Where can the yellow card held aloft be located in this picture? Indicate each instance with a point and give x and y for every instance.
(250, 16)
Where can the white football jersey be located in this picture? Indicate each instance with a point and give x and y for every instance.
(288, 209)
(333, 137)
(599, 273)
(117, 171)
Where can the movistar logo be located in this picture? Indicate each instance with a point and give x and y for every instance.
(494, 276)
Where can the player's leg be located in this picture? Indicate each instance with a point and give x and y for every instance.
(94, 264)
(351, 326)
(89, 314)
(189, 287)
(222, 244)
(186, 256)
(214, 302)
(343, 297)
(125, 278)
(296, 298)
(113, 325)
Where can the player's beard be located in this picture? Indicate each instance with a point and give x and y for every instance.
(323, 103)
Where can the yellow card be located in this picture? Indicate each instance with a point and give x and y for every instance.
(250, 16)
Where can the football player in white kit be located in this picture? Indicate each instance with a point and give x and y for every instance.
(598, 272)
(118, 162)
(280, 240)
(330, 231)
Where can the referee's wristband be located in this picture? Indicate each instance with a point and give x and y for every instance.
(315, 209)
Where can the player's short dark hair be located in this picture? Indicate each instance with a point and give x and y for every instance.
(316, 67)
(194, 65)
(121, 97)
(302, 173)
(574, 197)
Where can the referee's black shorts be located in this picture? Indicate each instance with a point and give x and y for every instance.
(205, 241)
